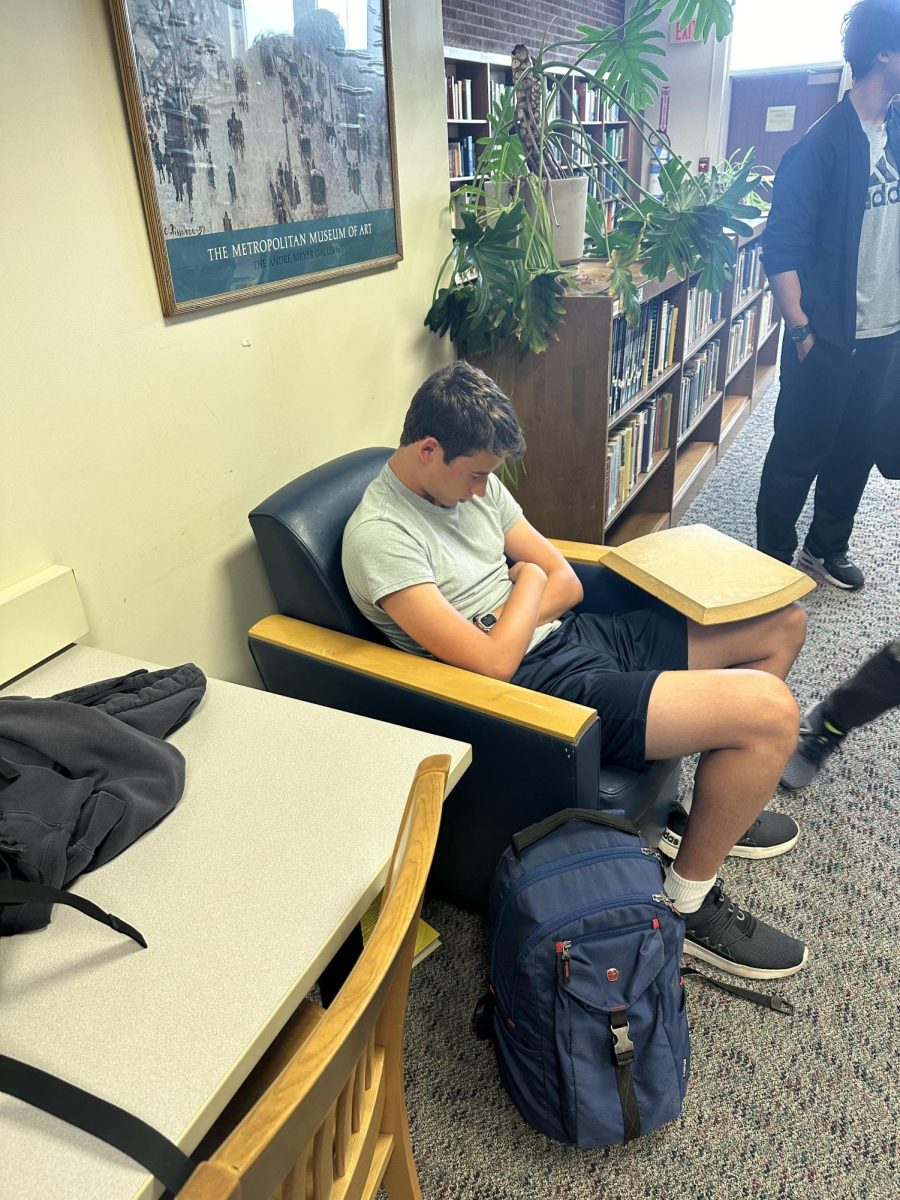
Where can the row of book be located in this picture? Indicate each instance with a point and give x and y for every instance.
(704, 309)
(749, 269)
(767, 317)
(594, 105)
(640, 354)
(459, 98)
(741, 341)
(698, 383)
(461, 157)
(629, 452)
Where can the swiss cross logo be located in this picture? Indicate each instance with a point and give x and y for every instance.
(612, 974)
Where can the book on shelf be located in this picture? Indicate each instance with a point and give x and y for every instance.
(459, 98)
(706, 575)
(698, 383)
(749, 269)
(641, 353)
(704, 309)
(461, 156)
(427, 937)
(630, 449)
(740, 342)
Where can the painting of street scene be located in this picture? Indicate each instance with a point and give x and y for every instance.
(266, 129)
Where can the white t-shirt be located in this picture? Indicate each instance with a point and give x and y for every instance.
(878, 270)
(396, 539)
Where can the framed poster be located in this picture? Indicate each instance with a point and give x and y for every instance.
(264, 140)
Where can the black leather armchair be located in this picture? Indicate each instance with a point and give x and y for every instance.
(532, 754)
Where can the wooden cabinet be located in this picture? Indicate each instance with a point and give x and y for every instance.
(588, 406)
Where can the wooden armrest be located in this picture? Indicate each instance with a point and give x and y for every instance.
(521, 706)
(580, 552)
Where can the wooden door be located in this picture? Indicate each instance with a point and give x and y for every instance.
(810, 92)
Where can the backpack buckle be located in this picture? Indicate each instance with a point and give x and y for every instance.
(623, 1047)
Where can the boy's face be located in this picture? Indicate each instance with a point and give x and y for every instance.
(456, 482)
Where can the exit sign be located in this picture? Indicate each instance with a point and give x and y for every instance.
(682, 33)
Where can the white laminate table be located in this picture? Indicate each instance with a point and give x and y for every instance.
(244, 892)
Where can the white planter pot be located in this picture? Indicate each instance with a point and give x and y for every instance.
(567, 202)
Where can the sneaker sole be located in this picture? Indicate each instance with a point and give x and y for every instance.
(732, 968)
(670, 843)
(806, 564)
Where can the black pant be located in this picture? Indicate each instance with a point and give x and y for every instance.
(824, 430)
(870, 692)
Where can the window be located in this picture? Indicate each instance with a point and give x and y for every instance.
(786, 33)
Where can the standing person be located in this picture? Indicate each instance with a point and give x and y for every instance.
(831, 250)
(872, 691)
(426, 557)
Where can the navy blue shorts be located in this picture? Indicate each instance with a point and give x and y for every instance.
(610, 662)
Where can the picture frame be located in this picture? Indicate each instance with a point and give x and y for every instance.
(263, 135)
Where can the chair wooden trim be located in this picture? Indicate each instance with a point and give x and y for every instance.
(330, 1121)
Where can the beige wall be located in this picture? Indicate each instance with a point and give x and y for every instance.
(133, 447)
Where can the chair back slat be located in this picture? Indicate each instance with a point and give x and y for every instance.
(339, 1098)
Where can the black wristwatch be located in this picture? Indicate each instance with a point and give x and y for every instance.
(799, 333)
(486, 622)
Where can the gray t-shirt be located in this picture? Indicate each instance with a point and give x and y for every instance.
(878, 270)
(396, 539)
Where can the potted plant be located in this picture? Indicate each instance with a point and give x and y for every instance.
(503, 281)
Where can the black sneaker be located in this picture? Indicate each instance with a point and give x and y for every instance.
(733, 940)
(838, 570)
(770, 834)
(815, 746)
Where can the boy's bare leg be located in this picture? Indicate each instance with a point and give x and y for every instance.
(770, 643)
(745, 722)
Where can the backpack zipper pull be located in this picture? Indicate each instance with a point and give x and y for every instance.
(662, 898)
(562, 949)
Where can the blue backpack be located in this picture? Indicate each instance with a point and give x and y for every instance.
(587, 996)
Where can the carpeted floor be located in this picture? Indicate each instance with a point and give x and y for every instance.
(800, 1108)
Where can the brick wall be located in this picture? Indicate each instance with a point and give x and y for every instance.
(497, 25)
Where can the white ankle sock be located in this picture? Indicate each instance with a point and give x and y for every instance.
(686, 894)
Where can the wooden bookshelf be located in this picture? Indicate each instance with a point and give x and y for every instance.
(478, 75)
(562, 398)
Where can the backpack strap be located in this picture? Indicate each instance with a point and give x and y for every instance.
(102, 1120)
(623, 1057)
(775, 1003)
(23, 891)
(527, 837)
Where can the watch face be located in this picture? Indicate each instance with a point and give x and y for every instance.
(488, 621)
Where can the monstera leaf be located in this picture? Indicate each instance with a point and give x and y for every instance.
(626, 56)
(542, 310)
(709, 15)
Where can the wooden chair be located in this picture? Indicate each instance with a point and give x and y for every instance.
(328, 1117)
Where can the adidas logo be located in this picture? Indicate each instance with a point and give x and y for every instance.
(884, 187)
(671, 839)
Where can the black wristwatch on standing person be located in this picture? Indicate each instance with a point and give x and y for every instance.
(799, 333)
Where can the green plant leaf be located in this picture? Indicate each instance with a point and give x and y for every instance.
(623, 287)
(541, 311)
(626, 56)
(709, 14)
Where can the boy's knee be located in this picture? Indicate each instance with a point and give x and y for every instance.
(792, 624)
(777, 709)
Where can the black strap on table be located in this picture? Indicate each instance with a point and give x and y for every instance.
(22, 891)
(99, 1118)
(775, 1003)
(623, 1057)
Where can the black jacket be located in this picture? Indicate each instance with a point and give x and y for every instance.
(817, 212)
(85, 773)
